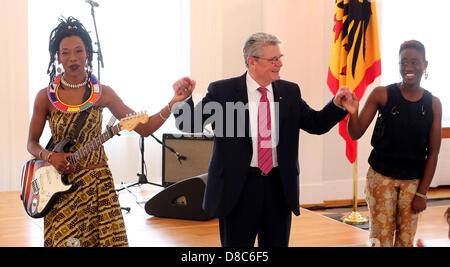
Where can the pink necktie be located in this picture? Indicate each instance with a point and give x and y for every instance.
(265, 162)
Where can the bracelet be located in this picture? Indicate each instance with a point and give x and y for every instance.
(162, 116)
(49, 157)
(40, 153)
(421, 195)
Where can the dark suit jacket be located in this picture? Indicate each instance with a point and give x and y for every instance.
(232, 155)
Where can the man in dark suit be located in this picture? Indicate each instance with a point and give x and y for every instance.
(253, 175)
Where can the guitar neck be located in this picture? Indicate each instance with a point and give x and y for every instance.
(94, 144)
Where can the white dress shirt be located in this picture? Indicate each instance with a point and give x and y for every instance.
(254, 97)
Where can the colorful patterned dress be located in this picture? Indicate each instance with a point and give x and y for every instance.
(90, 216)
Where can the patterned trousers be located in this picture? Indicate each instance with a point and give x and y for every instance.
(389, 201)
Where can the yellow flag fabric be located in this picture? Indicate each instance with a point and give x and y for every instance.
(355, 59)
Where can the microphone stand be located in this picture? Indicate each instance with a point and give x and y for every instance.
(142, 177)
(179, 156)
(99, 50)
(100, 63)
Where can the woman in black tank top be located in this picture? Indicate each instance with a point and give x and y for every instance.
(406, 142)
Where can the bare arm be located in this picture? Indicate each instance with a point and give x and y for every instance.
(182, 89)
(358, 124)
(38, 119)
(40, 112)
(419, 204)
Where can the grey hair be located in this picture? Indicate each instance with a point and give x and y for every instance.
(254, 45)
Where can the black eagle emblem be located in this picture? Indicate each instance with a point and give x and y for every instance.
(357, 15)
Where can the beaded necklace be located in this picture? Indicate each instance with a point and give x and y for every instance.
(67, 84)
(52, 92)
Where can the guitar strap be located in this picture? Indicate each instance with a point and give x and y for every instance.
(78, 125)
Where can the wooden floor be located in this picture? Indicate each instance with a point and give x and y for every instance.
(309, 229)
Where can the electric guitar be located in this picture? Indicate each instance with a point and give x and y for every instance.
(42, 184)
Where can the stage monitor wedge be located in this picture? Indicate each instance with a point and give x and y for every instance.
(182, 200)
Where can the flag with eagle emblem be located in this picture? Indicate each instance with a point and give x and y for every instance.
(355, 59)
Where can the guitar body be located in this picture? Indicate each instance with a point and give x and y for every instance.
(42, 184)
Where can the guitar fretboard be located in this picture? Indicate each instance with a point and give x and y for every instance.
(94, 144)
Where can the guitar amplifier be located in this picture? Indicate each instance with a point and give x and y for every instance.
(196, 150)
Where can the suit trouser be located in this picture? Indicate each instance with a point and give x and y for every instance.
(261, 211)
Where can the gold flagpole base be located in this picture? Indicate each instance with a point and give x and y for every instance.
(354, 218)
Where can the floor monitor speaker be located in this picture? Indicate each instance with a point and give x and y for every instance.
(181, 200)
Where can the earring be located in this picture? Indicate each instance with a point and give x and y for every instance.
(57, 67)
(426, 74)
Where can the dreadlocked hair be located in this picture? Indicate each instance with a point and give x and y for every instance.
(413, 44)
(66, 28)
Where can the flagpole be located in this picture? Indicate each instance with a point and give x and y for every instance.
(355, 217)
(354, 19)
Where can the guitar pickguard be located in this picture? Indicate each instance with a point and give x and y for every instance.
(48, 182)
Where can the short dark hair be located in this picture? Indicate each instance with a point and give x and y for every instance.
(66, 28)
(413, 44)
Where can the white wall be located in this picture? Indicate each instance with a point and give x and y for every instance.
(219, 29)
(14, 108)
